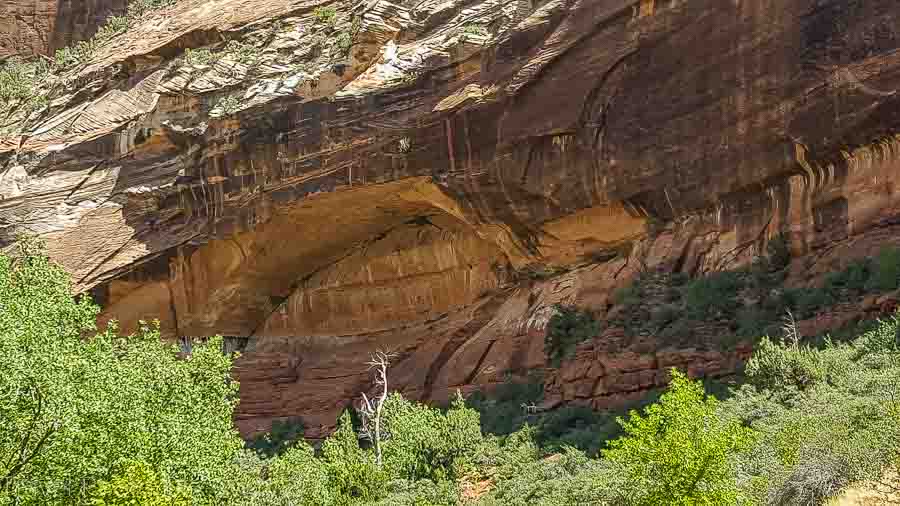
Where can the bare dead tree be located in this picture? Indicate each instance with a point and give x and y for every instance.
(791, 331)
(370, 410)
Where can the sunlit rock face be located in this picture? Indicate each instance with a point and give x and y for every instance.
(431, 177)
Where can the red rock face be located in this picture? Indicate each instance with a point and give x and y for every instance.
(435, 194)
(34, 27)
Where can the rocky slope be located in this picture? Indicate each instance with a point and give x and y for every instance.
(326, 179)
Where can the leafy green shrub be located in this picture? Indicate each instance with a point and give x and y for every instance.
(20, 90)
(138, 8)
(242, 52)
(853, 278)
(421, 493)
(471, 31)
(807, 301)
(501, 412)
(630, 295)
(883, 338)
(74, 403)
(886, 272)
(136, 483)
(826, 417)
(566, 478)
(784, 366)
(326, 15)
(474, 29)
(578, 427)
(680, 451)
(778, 252)
(298, 478)
(427, 444)
(226, 106)
(284, 434)
(664, 315)
(714, 295)
(352, 471)
(753, 322)
(568, 327)
(343, 43)
(198, 57)
(114, 26)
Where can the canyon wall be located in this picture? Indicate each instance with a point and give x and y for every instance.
(40, 27)
(430, 178)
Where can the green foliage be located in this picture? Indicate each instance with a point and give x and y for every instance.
(137, 484)
(886, 275)
(714, 295)
(427, 444)
(226, 106)
(568, 327)
(472, 30)
(577, 427)
(138, 8)
(567, 478)
(421, 493)
(20, 90)
(826, 417)
(537, 271)
(501, 412)
(81, 52)
(780, 367)
(296, 477)
(242, 52)
(679, 451)
(343, 43)
(114, 26)
(197, 57)
(853, 278)
(74, 406)
(630, 295)
(284, 434)
(352, 471)
(326, 15)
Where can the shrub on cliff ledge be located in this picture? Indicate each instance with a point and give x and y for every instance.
(568, 327)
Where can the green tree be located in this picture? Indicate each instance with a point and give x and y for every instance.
(568, 327)
(679, 451)
(76, 404)
(352, 471)
(425, 443)
(137, 485)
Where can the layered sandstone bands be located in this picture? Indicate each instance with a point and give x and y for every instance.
(399, 196)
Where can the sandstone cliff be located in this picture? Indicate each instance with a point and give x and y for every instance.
(428, 177)
(34, 27)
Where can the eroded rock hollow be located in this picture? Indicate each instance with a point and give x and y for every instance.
(432, 177)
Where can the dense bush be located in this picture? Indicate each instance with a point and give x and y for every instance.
(680, 451)
(713, 295)
(76, 405)
(501, 411)
(568, 327)
(284, 434)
